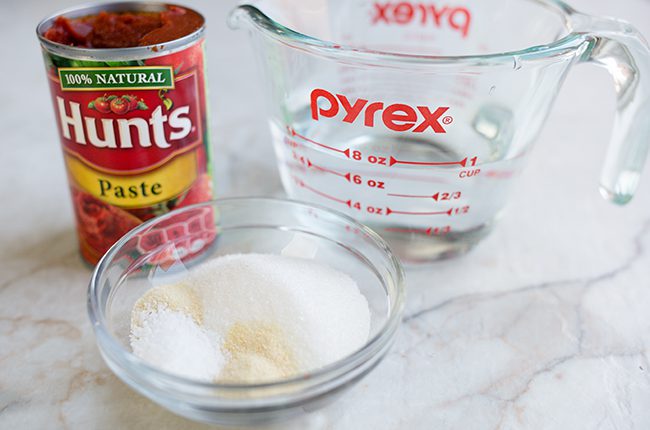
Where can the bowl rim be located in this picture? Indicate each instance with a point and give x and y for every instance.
(305, 381)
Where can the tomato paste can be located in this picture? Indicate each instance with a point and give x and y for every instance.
(133, 128)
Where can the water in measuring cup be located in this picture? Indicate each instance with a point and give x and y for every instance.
(429, 199)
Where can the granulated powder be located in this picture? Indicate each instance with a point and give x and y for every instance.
(258, 351)
(174, 342)
(266, 317)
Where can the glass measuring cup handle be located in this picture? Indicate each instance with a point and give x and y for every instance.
(622, 50)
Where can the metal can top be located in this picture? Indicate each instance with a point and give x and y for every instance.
(116, 54)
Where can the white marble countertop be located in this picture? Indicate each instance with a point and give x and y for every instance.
(546, 325)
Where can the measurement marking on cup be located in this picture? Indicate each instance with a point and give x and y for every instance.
(322, 145)
(307, 162)
(437, 196)
(320, 193)
(451, 211)
(391, 211)
(378, 210)
(354, 179)
(461, 163)
(431, 231)
(324, 169)
(388, 161)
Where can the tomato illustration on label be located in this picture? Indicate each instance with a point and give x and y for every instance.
(119, 105)
(101, 104)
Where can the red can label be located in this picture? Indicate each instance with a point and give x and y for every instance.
(135, 140)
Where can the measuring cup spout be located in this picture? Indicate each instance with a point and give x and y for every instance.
(624, 53)
(241, 14)
(274, 17)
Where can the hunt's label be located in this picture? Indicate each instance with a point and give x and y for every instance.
(134, 138)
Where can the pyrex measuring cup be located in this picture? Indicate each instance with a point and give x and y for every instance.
(415, 117)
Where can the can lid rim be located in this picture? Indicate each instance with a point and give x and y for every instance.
(131, 53)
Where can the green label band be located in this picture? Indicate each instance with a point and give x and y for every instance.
(109, 78)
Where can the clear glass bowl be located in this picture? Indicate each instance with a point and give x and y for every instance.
(167, 248)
